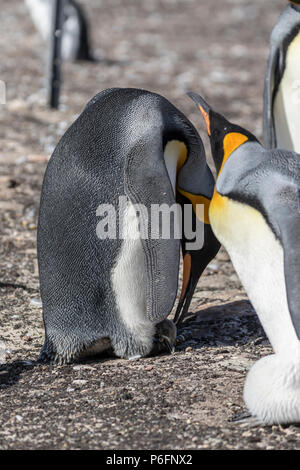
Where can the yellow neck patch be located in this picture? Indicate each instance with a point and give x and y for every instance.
(195, 200)
(182, 156)
(219, 203)
(230, 143)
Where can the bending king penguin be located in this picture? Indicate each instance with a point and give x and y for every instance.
(116, 292)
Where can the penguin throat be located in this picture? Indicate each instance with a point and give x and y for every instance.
(231, 142)
(175, 156)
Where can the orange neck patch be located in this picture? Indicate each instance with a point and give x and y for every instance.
(194, 198)
(231, 142)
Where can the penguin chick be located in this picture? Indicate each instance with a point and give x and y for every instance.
(111, 281)
(282, 83)
(255, 214)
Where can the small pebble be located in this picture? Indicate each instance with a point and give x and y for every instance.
(79, 382)
(19, 418)
(83, 367)
(36, 303)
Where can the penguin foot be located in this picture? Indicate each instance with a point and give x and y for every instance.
(50, 355)
(51, 359)
(246, 420)
(272, 389)
(165, 337)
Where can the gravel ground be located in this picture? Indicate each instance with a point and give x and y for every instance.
(180, 401)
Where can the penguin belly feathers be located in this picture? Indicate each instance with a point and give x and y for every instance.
(282, 83)
(255, 214)
(101, 289)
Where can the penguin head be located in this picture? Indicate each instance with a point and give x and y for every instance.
(225, 137)
(166, 333)
(295, 4)
(198, 243)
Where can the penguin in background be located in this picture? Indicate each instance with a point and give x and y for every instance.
(75, 39)
(282, 83)
(116, 292)
(255, 214)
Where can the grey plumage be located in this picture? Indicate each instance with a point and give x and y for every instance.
(115, 148)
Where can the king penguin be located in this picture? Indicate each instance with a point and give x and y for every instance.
(255, 214)
(116, 292)
(282, 83)
(75, 38)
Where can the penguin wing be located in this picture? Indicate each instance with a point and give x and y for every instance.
(147, 183)
(287, 217)
(271, 83)
(279, 191)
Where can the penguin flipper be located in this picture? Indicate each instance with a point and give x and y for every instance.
(270, 86)
(290, 230)
(285, 218)
(147, 183)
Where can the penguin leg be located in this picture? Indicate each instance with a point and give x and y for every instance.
(64, 352)
(49, 355)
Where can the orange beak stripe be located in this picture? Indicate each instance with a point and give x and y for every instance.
(206, 119)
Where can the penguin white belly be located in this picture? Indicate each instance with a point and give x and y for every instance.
(272, 387)
(70, 39)
(129, 280)
(258, 259)
(287, 101)
(41, 14)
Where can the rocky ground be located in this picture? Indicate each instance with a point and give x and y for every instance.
(182, 401)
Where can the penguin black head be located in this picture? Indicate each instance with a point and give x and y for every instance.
(225, 137)
(295, 4)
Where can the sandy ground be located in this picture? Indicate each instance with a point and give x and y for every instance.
(180, 401)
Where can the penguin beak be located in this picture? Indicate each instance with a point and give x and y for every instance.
(188, 286)
(203, 107)
(164, 339)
